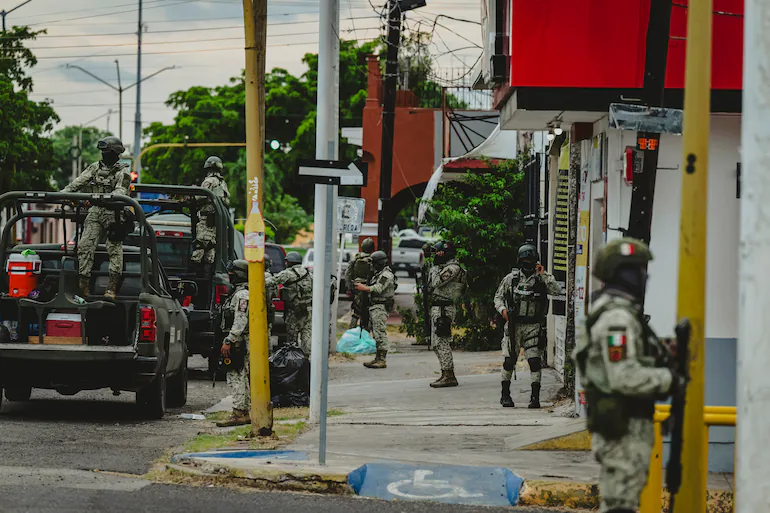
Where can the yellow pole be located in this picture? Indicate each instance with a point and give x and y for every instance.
(255, 25)
(692, 248)
(184, 145)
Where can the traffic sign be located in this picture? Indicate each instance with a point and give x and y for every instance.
(333, 172)
(350, 214)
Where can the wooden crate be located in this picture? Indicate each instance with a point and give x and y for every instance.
(58, 341)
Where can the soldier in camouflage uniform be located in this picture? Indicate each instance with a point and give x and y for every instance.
(522, 298)
(108, 176)
(446, 281)
(381, 289)
(205, 242)
(270, 292)
(359, 271)
(235, 322)
(624, 369)
(297, 294)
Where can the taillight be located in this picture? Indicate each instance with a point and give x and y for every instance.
(148, 324)
(220, 291)
(169, 234)
(187, 301)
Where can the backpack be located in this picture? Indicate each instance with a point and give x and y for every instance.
(298, 292)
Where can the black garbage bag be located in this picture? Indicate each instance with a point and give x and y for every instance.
(289, 377)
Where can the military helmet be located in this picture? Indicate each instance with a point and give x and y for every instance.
(111, 143)
(367, 246)
(214, 162)
(268, 263)
(238, 269)
(625, 251)
(379, 259)
(293, 257)
(528, 252)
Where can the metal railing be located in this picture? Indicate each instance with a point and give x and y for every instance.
(652, 495)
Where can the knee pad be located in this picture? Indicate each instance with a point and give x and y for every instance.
(534, 364)
(509, 363)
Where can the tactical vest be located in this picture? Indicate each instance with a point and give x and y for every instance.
(270, 293)
(528, 303)
(363, 269)
(298, 291)
(453, 291)
(228, 311)
(104, 180)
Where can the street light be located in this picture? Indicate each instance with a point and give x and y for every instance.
(119, 89)
(5, 13)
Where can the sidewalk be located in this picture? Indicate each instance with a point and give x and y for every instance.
(393, 416)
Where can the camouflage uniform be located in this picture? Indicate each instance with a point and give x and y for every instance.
(616, 361)
(624, 369)
(298, 294)
(527, 335)
(206, 230)
(237, 308)
(351, 279)
(447, 283)
(270, 292)
(100, 178)
(381, 292)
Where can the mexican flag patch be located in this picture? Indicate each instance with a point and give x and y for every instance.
(616, 344)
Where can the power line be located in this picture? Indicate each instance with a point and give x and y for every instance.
(112, 13)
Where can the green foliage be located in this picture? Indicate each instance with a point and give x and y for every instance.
(481, 216)
(25, 151)
(62, 159)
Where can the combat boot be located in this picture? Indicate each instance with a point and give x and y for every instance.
(534, 401)
(83, 285)
(237, 418)
(112, 287)
(505, 399)
(447, 379)
(378, 362)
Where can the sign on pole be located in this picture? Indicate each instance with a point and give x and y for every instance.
(333, 172)
(350, 215)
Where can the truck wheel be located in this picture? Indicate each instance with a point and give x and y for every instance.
(151, 399)
(20, 393)
(177, 387)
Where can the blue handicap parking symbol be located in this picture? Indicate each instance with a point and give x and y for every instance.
(454, 484)
(229, 454)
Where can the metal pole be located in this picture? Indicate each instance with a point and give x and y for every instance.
(74, 159)
(138, 115)
(5, 13)
(120, 103)
(753, 355)
(327, 139)
(255, 25)
(692, 248)
(388, 120)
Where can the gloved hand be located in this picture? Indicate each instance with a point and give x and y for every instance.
(678, 383)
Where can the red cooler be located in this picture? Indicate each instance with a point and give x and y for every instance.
(23, 272)
(63, 325)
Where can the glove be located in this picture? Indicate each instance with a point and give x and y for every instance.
(678, 383)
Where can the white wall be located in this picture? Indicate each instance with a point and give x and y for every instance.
(723, 225)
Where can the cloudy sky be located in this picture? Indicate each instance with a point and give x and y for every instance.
(202, 38)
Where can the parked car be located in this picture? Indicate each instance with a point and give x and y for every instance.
(137, 342)
(408, 256)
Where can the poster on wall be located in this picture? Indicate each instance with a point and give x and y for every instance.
(559, 254)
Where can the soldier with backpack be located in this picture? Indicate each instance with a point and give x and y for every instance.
(297, 294)
(360, 270)
(205, 241)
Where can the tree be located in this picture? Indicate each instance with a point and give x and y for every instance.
(25, 151)
(481, 215)
(62, 146)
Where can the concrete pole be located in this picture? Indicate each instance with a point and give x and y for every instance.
(753, 463)
(138, 116)
(74, 160)
(327, 139)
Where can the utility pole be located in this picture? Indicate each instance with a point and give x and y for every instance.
(691, 302)
(120, 89)
(643, 192)
(388, 124)
(5, 13)
(327, 145)
(255, 28)
(753, 355)
(138, 115)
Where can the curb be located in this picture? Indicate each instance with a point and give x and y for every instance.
(567, 494)
(285, 479)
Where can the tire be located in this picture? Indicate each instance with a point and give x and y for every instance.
(177, 388)
(151, 399)
(18, 394)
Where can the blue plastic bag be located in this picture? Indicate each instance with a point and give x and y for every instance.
(353, 342)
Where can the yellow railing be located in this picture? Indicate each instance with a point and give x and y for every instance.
(652, 496)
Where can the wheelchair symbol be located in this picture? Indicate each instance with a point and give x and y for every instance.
(428, 488)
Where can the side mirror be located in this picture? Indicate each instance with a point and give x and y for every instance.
(187, 288)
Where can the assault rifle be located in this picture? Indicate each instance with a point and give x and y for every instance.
(425, 289)
(674, 467)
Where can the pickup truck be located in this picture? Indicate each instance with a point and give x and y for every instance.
(137, 343)
(408, 256)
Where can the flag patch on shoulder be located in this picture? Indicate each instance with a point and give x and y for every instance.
(616, 344)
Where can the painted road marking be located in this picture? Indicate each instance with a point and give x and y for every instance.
(434, 486)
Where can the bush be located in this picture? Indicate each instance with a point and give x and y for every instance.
(481, 215)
